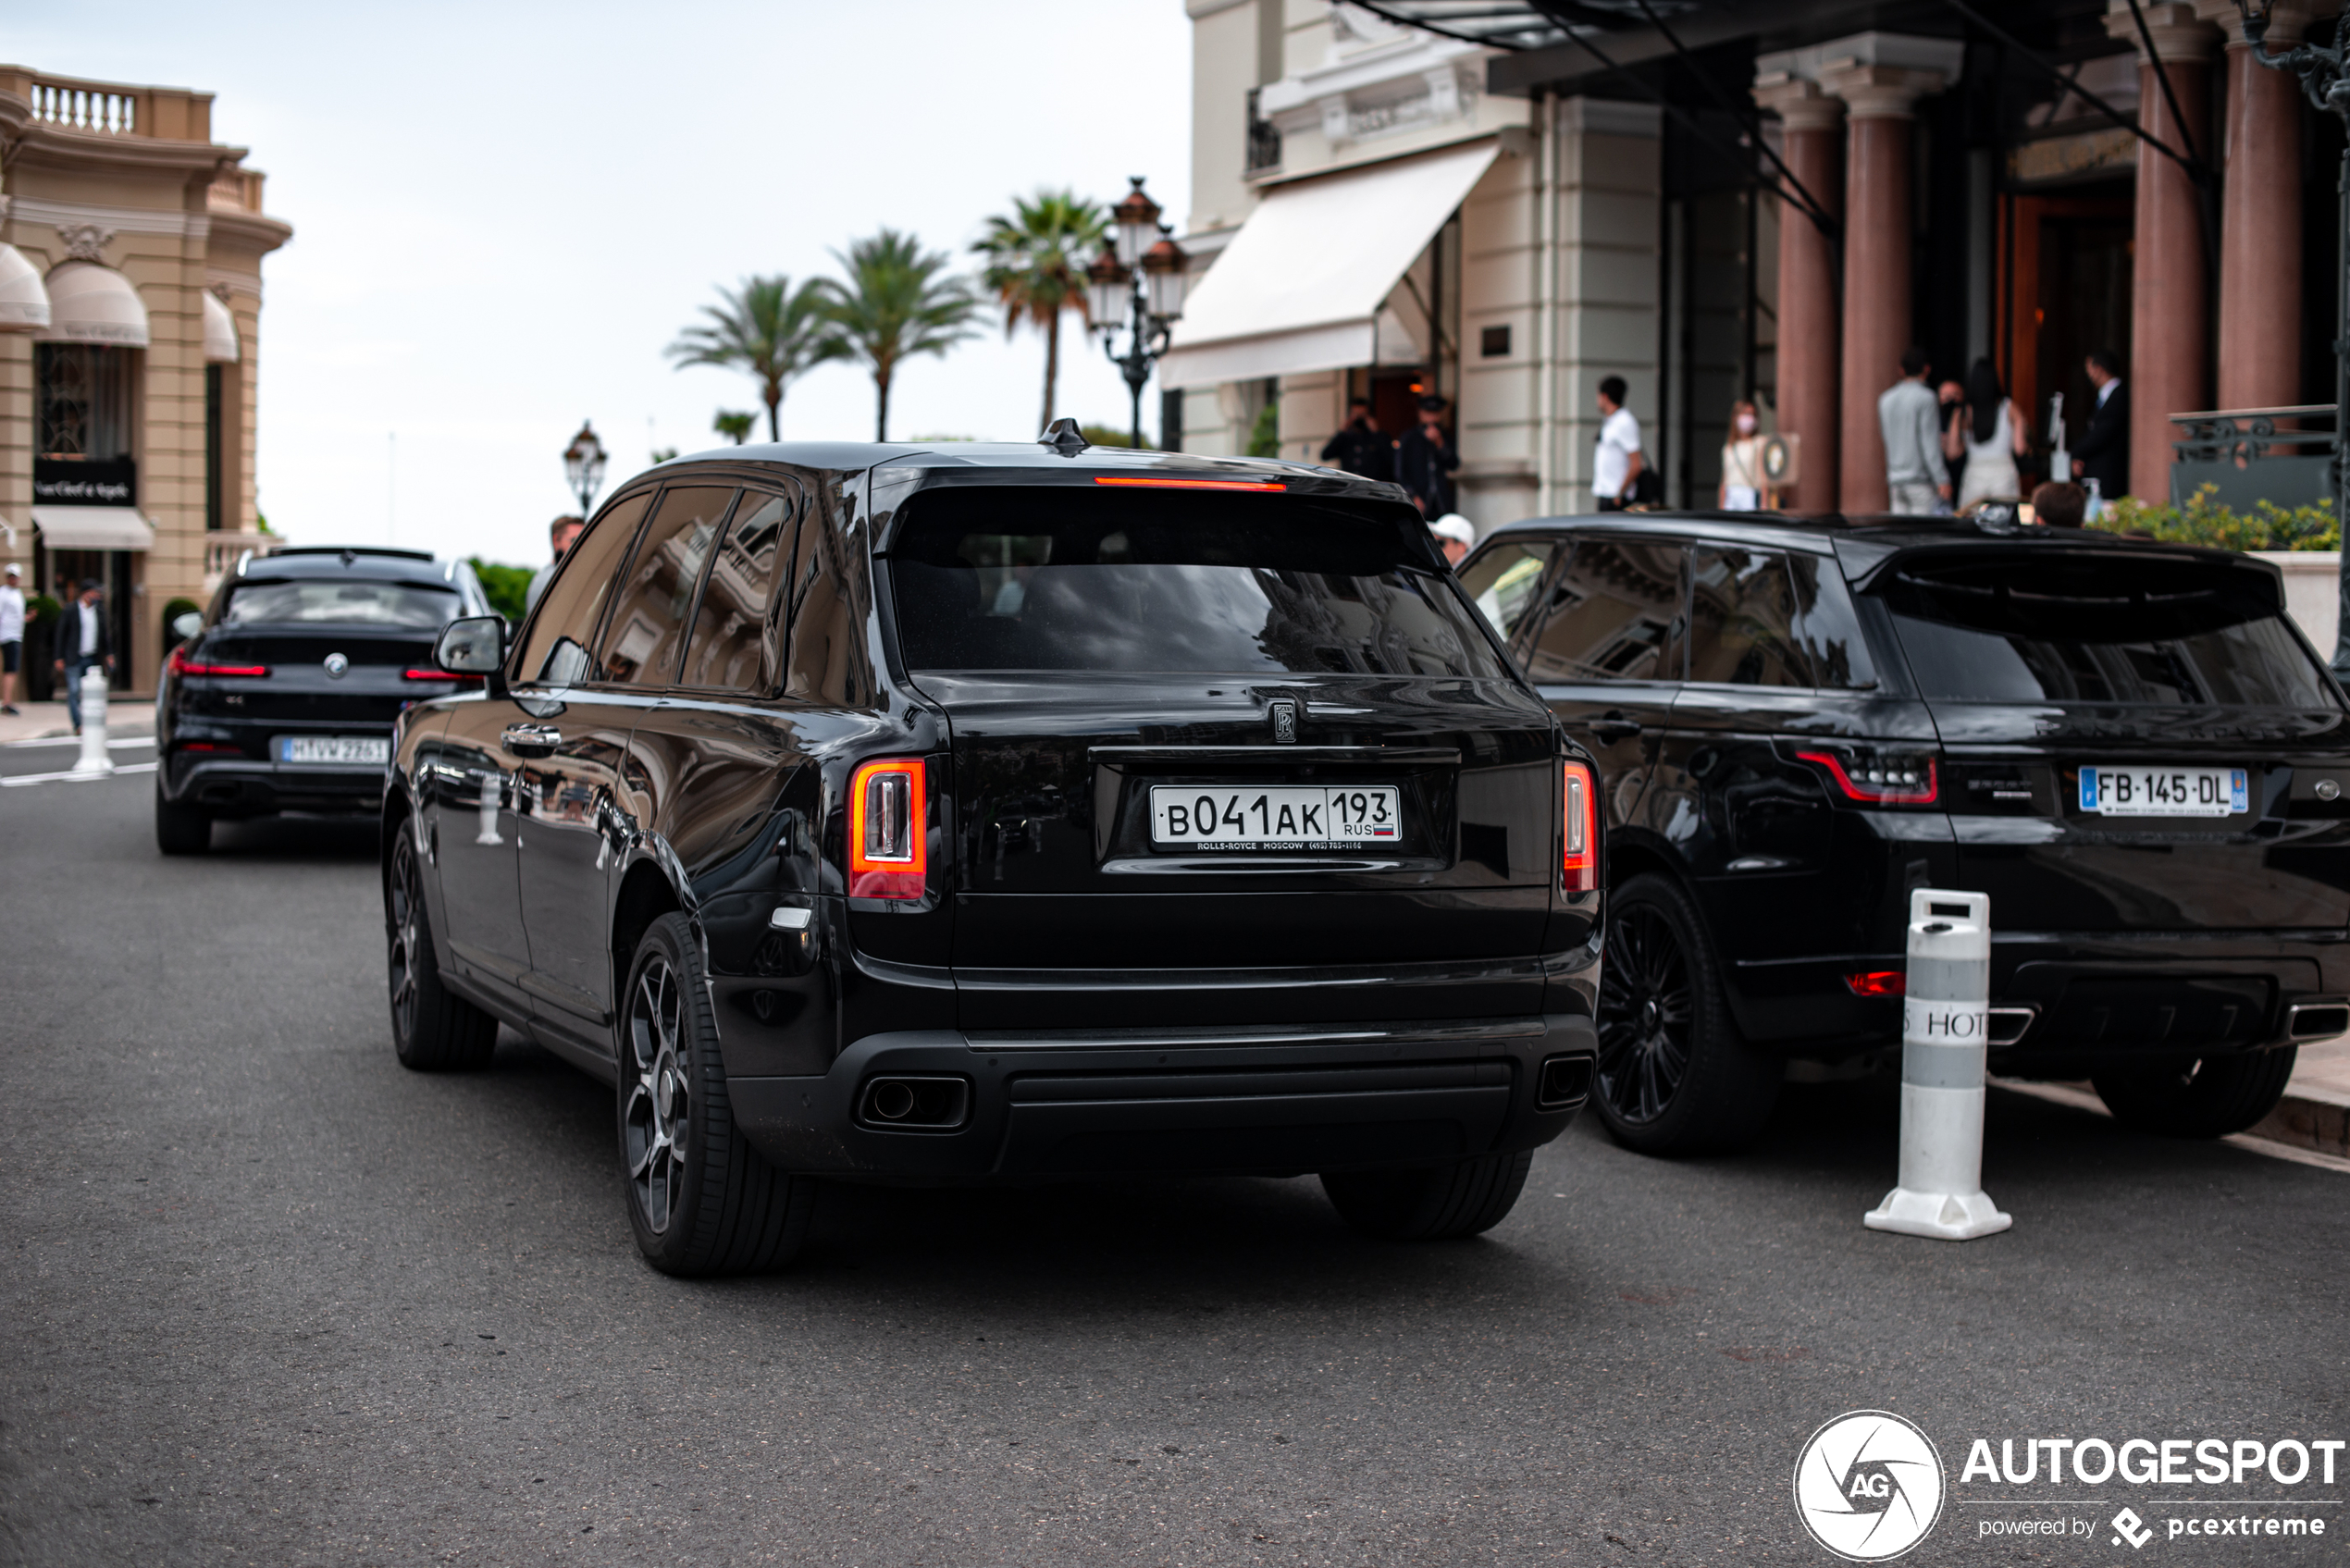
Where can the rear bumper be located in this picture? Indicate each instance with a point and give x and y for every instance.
(1233, 1102)
(237, 786)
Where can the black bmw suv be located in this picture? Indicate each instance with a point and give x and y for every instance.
(2127, 745)
(280, 696)
(1002, 813)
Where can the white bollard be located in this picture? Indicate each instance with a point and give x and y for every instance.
(487, 803)
(95, 757)
(1944, 1026)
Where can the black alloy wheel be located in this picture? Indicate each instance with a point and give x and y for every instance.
(2207, 1098)
(1674, 1075)
(1429, 1202)
(700, 1199)
(432, 1028)
(182, 828)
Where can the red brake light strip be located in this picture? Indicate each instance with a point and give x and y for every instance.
(435, 675)
(182, 666)
(1192, 484)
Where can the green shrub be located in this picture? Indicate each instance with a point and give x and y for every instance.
(507, 587)
(41, 608)
(1265, 438)
(2203, 521)
(172, 610)
(1106, 435)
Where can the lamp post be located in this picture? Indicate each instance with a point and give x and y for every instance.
(2325, 78)
(584, 466)
(1137, 283)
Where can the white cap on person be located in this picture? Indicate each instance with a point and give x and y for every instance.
(14, 569)
(1455, 526)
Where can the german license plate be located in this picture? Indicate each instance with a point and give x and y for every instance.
(1226, 817)
(2164, 792)
(352, 750)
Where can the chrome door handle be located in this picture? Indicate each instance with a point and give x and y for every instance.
(1611, 730)
(531, 740)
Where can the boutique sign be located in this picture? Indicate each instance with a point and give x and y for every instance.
(66, 481)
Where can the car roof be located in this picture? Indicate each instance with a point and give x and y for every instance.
(1002, 461)
(313, 563)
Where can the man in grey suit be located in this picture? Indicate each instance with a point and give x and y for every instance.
(1909, 418)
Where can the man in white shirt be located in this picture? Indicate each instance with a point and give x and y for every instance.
(11, 635)
(1616, 469)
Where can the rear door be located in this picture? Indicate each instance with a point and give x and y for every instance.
(1607, 657)
(2134, 740)
(1212, 732)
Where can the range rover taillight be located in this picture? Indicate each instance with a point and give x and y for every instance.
(1579, 853)
(888, 838)
(1879, 776)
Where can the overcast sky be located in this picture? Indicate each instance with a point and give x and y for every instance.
(503, 214)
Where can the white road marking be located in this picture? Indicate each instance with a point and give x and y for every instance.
(75, 778)
(112, 741)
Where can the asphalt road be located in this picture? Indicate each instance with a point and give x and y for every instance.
(273, 1300)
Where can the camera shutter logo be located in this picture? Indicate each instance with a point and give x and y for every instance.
(1868, 1486)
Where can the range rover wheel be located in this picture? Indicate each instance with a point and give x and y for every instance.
(700, 1199)
(2207, 1098)
(1674, 1076)
(432, 1028)
(1428, 1203)
(181, 828)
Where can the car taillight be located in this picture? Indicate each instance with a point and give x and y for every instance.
(1579, 852)
(183, 665)
(435, 675)
(1873, 776)
(888, 838)
(1877, 982)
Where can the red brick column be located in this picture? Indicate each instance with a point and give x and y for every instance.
(2260, 227)
(1810, 320)
(2169, 362)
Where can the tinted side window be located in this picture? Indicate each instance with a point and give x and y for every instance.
(827, 658)
(647, 635)
(1825, 627)
(1743, 619)
(565, 628)
(1612, 615)
(1504, 581)
(729, 639)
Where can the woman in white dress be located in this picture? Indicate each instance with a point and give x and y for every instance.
(1743, 488)
(1985, 432)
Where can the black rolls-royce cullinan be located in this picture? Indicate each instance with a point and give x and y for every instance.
(1001, 812)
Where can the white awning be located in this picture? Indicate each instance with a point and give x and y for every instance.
(89, 304)
(1301, 285)
(24, 303)
(220, 332)
(93, 528)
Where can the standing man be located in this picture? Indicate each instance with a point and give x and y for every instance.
(562, 533)
(1359, 448)
(11, 635)
(1909, 418)
(1616, 468)
(2103, 452)
(1425, 459)
(83, 639)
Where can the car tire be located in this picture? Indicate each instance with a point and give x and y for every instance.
(700, 1200)
(1674, 1075)
(433, 1030)
(2209, 1097)
(1428, 1203)
(181, 828)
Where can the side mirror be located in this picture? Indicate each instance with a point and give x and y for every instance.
(473, 645)
(185, 626)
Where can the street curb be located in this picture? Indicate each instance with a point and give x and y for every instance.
(2264, 1139)
(2311, 1120)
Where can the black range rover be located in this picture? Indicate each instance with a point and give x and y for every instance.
(1004, 813)
(2127, 745)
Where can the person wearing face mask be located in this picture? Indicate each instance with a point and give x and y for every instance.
(1743, 488)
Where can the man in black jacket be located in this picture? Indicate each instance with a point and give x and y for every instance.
(1425, 459)
(82, 638)
(2103, 452)
(1360, 448)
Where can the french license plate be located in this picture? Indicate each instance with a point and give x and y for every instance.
(1224, 816)
(2164, 792)
(356, 751)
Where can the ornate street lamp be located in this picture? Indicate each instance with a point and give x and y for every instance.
(1136, 282)
(584, 466)
(2325, 77)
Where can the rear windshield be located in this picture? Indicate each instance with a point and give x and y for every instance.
(342, 602)
(2114, 629)
(1069, 578)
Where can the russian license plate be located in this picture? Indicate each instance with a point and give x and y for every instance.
(2164, 792)
(371, 751)
(1224, 816)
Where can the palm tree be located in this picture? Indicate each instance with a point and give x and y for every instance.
(767, 327)
(897, 303)
(736, 427)
(1037, 269)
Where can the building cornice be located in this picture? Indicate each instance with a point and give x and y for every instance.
(262, 233)
(45, 146)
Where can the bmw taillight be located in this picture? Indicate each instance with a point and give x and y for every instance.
(183, 665)
(435, 675)
(1871, 775)
(1579, 853)
(889, 830)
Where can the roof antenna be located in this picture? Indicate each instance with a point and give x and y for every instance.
(349, 556)
(1064, 437)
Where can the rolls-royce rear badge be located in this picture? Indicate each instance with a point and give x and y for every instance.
(1284, 722)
